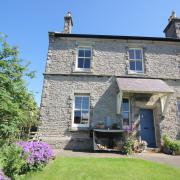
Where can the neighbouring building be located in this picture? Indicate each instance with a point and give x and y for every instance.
(99, 88)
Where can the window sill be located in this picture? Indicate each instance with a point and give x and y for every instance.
(74, 129)
(135, 73)
(82, 71)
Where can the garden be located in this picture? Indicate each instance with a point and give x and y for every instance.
(18, 116)
(22, 158)
(80, 168)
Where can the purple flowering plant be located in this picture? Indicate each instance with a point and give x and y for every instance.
(38, 153)
(2, 176)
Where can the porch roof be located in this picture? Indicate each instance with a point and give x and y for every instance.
(137, 85)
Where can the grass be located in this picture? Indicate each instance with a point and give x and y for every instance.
(104, 168)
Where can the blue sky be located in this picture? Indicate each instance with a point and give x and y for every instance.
(27, 22)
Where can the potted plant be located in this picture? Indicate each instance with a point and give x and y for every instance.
(100, 125)
(139, 146)
(114, 126)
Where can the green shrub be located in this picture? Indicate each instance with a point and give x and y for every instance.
(127, 147)
(13, 160)
(176, 147)
(38, 154)
(166, 142)
(23, 157)
(173, 146)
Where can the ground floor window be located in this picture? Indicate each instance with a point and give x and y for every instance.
(81, 110)
(125, 111)
(178, 104)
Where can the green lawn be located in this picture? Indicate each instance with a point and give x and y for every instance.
(104, 168)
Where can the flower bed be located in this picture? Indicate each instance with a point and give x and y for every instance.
(22, 157)
(38, 153)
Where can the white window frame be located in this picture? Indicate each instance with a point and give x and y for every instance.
(129, 112)
(74, 125)
(135, 71)
(77, 56)
(178, 110)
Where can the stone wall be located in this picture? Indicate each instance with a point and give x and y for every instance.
(110, 59)
(57, 102)
(170, 124)
(57, 106)
(161, 59)
(171, 31)
(177, 26)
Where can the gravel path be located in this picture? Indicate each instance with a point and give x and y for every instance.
(151, 156)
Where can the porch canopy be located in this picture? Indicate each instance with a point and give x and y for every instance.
(156, 87)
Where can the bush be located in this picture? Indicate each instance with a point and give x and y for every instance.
(22, 157)
(39, 153)
(13, 159)
(127, 147)
(171, 146)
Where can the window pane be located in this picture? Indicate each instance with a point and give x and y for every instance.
(132, 65)
(85, 103)
(87, 63)
(85, 117)
(125, 111)
(125, 121)
(125, 105)
(87, 53)
(125, 115)
(178, 105)
(138, 54)
(81, 53)
(80, 62)
(125, 100)
(131, 54)
(77, 117)
(78, 100)
(138, 65)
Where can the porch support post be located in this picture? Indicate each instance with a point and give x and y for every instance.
(164, 103)
(119, 101)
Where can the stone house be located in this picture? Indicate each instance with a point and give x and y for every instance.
(99, 87)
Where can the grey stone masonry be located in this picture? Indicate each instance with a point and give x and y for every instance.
(110, 60)
(173, 28)
(161, 59)
(57, 104)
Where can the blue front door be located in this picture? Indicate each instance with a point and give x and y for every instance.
(147, 127)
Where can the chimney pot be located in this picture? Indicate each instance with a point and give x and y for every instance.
(172, 30)
(68, 23)
(173, 16)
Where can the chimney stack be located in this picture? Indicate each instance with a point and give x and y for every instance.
(172, 30)
(68, 23)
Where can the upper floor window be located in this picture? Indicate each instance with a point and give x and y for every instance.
(81, 110)
(136, 60)
(178, 105)
(84, 58)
